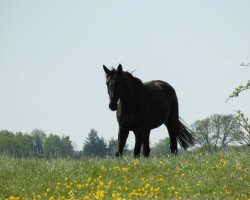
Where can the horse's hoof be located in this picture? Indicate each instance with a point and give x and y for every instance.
(117, 154)
(174, 152)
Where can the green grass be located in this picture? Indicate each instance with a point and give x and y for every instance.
(222, 175)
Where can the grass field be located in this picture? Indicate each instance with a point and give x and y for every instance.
(222, 175)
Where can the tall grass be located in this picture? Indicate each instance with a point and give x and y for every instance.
(221, 175)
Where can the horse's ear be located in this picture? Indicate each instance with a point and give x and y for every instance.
(107, 71)
(119, 68)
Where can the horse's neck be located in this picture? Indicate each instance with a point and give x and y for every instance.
(132, 94)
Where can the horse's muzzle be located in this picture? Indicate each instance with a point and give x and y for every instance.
(113, 107)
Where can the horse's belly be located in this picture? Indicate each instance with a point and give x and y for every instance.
(157, 113)
(156, 120)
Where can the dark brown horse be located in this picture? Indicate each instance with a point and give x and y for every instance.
(142, 107)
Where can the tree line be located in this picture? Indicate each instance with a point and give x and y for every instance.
(37, 144)
(212, 133)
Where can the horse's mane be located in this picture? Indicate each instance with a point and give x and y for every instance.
(127, 76)
(133, 78)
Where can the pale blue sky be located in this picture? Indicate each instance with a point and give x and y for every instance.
(52, 52)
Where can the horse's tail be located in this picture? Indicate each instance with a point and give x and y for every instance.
(184, 136)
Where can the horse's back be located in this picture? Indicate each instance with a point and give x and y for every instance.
(164, 91)
(160, 87)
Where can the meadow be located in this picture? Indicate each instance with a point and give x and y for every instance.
(221, 175)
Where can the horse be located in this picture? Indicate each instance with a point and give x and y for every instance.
(141, 107)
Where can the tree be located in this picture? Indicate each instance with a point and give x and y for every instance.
(16, 145)
(217, 131)
(94, 146)
(239, 89)
(51, 146)
(242, 120)
(24, 145)
(202, 129)
(236, 92)
(226, 130)
(8, 145)
(240, 117)
(54, 146)
(38, 138)
(66, 147)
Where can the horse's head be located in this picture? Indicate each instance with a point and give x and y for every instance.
(114, 85)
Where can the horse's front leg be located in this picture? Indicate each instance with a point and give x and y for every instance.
(122, 138)
(138, 143)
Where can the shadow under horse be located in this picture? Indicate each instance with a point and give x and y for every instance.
(141, 107)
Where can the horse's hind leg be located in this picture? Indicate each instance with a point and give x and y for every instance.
(145, 142)
(171, 125)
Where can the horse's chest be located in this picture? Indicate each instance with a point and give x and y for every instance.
(128, 120)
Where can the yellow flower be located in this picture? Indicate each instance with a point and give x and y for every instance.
(160, 179)
(68, 187)
(136, 162)
(116, 195)
(99, 194)
(171, 188)
(125, 169)
(101, 183)
(223, 162)
(119, 187)
(14, 198)
(110, 182)
(79, 186)
(103, 168)
(143, 179)
(89, 179)
(116, 168)
(70, 193)
(156, 189)
(86, 198)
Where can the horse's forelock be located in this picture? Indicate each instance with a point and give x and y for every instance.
(112, 73)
